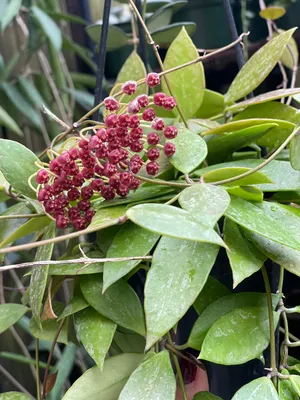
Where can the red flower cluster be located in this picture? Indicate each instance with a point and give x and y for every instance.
(105, 164)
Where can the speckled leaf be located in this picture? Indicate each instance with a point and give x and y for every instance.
(9, 314)
(222, 306)
(119, 303)
(130, 241)
(161, 386)
(258, 67)
(188, 83)
(23, 165)
(226, 173)
(206, 202)
(172, 287)
(172, 221)
(96, 333)
(212, 104)
(250, 193)
(95, 384)
(39, 275)
(244, 258)
(191, 150)
(251, 337)
(76, 304)
(132, 69)
(206, 396)
(295, 152)
(258, 389)
(256, 218)
(14, 396)
(286, 390)
(212, 291)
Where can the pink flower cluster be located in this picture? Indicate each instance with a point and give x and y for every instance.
(106, 163)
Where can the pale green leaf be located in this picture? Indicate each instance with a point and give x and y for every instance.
(95, 384)
(48, 26)
(295, 381)
(9, 226)
(258, 67)
(7, 121)
(187, 84)
(9, 314)
(250, 193)
(165, 36)
(14, 396)
(206, 202)
(119, 303)
(107, 214)
(95, 332)
(286, 390)
(226, 173)
(172, 287)
(206, 396)
(258, 389)
(295, 152)
(31, 91)
(160, 386)
(212, 104)
(172, 221)
(9, 13)
(130, 241)
(76, 304)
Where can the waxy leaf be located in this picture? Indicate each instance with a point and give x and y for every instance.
(258, 389)
(7, 121)
(10, 314)
(95, 332)
(119, 302)
(295, 152)
(226, 173)
(106, 384)
(206, 202)
(49, 27)
(250, 193)
(23, 165)
(107, 214)
(244, 258)
(212, 104)
(272, 12)
(39, 275)
(10, 11)
(161, 386)
(116, 38)
(76, 304)
(212, 291)
(165, 36)
(289, 60)
(130, 241)
(191, 150)
(14, 396)
(256, 218)
(172, 287)
(258, 67)
(286, 390)
(160, 18)
(295, 381)
(172, 221)
(132, 69)
(188, 83)
(206, 396)
(251, 337)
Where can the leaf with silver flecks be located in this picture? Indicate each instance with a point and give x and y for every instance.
(9, 314)
(76, 304)
(258, 389)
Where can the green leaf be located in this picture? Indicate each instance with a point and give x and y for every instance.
(258, 67)
(212, 291)
(160, 18)
(77, 269)
(172, 221)
(31, 91)
(220, 307)
(256, 218)
(219, 148)
(106, 384)
(250, 338)
(119, 302)
(14, 396)
(245, 259)
(286, 390)
(258, 389)
(133, 69)
(295, 381)
(88, 80)
(191, 150)
(172, 287)
(107, 214)
(76, 304)
(85, 99)
(82, 52)
(129, 342)
(10, 11)
(116, 38)
(8, 226)
(21, 104)
(212, 104)
(130, 241)
(165, 36)
(161, 386)
(10, 314)
(7, 121)
(272, 12)
(48, 26)
(206, 396)
(187, 84)
(58, 16)
(250, 193)
(287, 58)
(295, 152)
(206, 202)
(153, 5)
(96, 333)
(39, 275)
(226, 173)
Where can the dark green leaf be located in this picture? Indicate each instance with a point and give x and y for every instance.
(212, 104)
(7, 121)
(259, 389)
(206, 202)
(130, 342)
(107, 214)
(245, 259)
(82, 52)
(172, 287)
(295, 152)
(206, 396)
(119, 302)
(250, 338)
(187, 84)
(116, 38)
(172, 221)
(130, 241)
(153, 5)
(258, 67)
(226, 173)
(10, 314)
(161, 386)
(76, 304)
(83, 79)
(48, 26)
(161, 18)
(250, 193)
(106, 384)
(8, 226)
(58, 16)
(165, 36)
(95, 332)
(9, 13)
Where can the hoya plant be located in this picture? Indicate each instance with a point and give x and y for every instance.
(128, 215)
